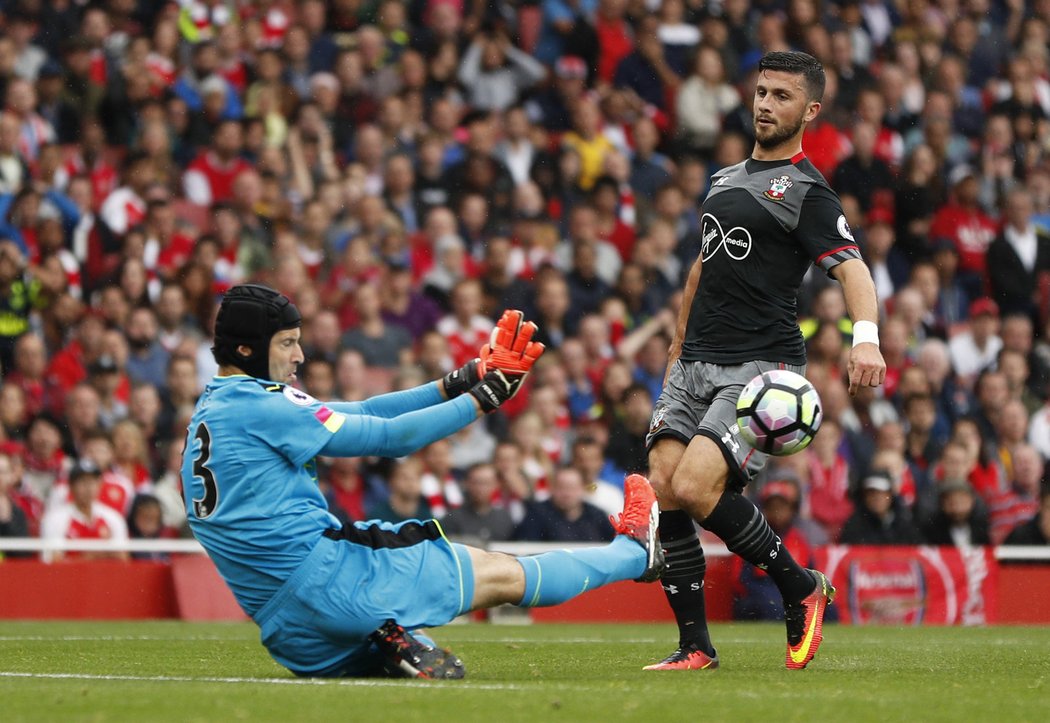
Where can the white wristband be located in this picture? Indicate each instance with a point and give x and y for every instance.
(865, 332)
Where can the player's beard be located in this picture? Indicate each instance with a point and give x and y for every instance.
(776, 134)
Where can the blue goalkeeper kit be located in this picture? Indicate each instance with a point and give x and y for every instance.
(318, 589)
(249, 476)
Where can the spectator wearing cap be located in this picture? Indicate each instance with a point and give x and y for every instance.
(83, 517)
(964, 222)
(959, 520)
(105, 376)
(552, 108)
(755, 596)
(977, 347)
(1018, 256)
(880, 518)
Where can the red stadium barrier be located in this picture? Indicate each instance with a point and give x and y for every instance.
(199, 591)
(910, 584)
(86, 590)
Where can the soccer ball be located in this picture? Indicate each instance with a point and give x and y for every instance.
(779, 412)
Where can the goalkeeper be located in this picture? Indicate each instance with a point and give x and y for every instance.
(343, 601)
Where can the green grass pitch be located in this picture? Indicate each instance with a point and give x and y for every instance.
(168, 671)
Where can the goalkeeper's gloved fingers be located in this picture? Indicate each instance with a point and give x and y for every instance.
(506, 329)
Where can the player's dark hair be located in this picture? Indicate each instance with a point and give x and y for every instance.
(797, 63)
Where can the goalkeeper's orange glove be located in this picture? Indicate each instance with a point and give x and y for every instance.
(506, 360)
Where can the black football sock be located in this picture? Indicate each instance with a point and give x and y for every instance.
(746, 533)
(683, 581)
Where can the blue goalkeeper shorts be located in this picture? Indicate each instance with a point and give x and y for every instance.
(354, 580)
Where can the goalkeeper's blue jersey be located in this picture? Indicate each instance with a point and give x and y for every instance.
(249, 481)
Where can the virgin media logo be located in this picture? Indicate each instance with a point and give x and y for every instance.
(736, 241)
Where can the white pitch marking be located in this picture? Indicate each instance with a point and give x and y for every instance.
(351, 682)
(104, 638)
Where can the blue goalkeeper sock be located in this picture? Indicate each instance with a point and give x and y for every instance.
(561, 575)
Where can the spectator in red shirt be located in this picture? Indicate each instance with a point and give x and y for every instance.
(614, 36)
(69, 365)
(344, 488)
(83, 517)
(466, 329)
(125, 207)
(210, 176)
(167, 247)
(964, 222)
(829, 481)
(29, 372)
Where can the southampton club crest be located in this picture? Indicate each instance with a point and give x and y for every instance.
(777, 188)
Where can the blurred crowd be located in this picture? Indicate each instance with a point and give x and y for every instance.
(405, 170)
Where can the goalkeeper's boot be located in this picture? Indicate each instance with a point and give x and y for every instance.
(639, 521)
(805, 622)
(405, 655)
(687, 657)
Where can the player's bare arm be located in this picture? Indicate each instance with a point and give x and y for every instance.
(866, 367)
(691, 284)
